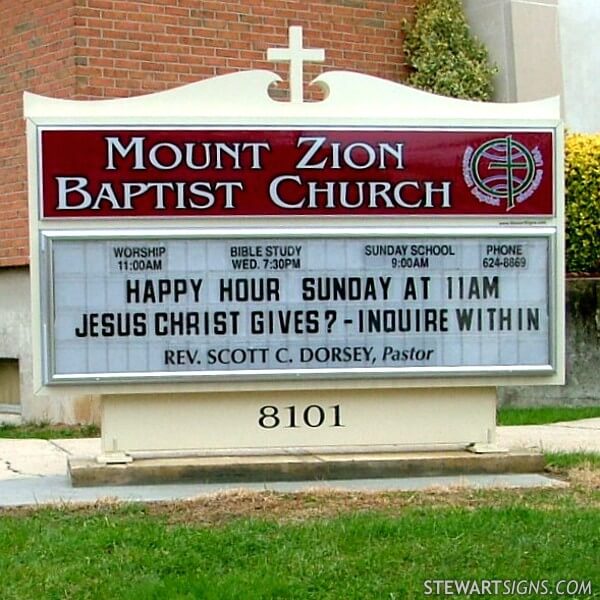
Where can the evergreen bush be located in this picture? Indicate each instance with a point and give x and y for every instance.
(446, 59)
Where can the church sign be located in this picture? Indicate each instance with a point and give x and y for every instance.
(233, 274)
(419, 240)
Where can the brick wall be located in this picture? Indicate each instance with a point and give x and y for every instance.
(88, 49)
(36, 50)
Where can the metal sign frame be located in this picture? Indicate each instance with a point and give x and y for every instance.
(48, 305)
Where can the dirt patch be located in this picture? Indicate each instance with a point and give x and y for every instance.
(320, 504)
(587, 477)
(221, 508)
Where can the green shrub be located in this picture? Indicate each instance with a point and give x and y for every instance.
(446, 59)
(582, 199)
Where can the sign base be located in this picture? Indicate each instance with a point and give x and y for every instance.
(315, 469)
(342, 421)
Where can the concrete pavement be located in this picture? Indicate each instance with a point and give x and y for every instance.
(568, 436)
(35, 471)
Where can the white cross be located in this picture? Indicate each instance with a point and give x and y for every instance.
(297, 56)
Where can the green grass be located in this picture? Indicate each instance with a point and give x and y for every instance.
(545, 414)
(132, 552)
(45, 431)
(304, 546)
(570, 460)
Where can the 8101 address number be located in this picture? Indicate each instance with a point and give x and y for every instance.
(291, 417)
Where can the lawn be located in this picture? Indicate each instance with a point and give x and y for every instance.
(563, 461)
(541, 415)
(45, 431)
(329, 545)
(321, 545)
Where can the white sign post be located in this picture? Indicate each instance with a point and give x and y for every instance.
(235, 274)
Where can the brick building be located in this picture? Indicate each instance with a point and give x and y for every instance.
(92, 49)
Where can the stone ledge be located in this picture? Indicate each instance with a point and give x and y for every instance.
(87, 472)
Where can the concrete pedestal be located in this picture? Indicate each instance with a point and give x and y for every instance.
(323, 420)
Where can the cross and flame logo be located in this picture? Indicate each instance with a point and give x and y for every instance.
(502, 170)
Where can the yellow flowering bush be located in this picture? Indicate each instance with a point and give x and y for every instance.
(582, 200)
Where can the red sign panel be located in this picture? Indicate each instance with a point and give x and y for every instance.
(120, 173)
